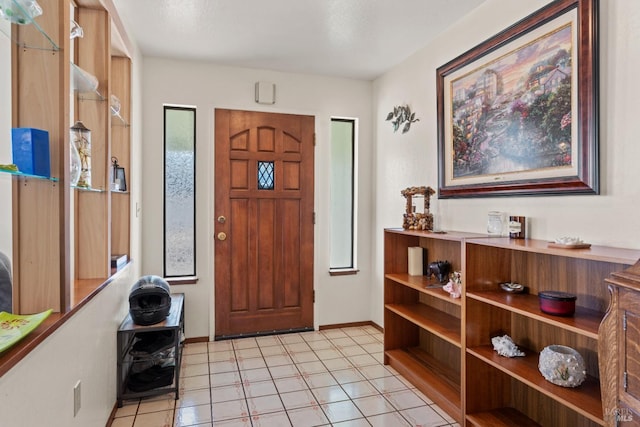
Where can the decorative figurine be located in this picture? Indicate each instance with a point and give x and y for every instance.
(454, 286)
(439, 269)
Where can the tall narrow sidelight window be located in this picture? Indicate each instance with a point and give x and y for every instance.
(343, 195)
(179, 191)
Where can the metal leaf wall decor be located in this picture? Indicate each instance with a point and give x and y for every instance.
(402, 114)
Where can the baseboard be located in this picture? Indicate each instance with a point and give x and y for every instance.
(196, 340)
(112, 416)
(320, 328)
(351, 325)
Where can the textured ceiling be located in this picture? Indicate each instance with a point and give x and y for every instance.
(348, 38)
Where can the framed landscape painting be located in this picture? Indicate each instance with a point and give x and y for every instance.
(518, 114)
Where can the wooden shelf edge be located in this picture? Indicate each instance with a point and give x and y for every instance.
(420, 283)
(585, 399)
(10, 357)
(28, 175)
(501, 417)
(430, 319)
(437, 388)
(86, 289)
(457, 236)
(585, 322)
(594, 253)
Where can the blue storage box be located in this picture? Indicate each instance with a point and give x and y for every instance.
(31, 151)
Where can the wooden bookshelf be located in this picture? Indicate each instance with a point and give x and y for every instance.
(443, 345)
(423, 328)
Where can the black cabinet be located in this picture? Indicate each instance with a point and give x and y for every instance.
(149, 357)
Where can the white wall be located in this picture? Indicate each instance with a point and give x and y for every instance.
(411, 159)
(38, 391)
(208, 86)
(135, 174)
(5, 137)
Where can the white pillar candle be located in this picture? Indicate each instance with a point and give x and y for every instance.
(415, 261)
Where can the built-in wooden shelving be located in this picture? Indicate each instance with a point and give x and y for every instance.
(443, 345)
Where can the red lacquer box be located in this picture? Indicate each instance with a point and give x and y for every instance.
(557, 303)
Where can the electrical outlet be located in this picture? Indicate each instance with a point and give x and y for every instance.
(76, 398)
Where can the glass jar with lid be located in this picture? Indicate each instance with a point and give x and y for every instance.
(495, 223)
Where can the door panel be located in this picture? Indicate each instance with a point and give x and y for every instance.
(264, 188)
(266, 243)
(239, 300)
(290, 245)
(239, 174)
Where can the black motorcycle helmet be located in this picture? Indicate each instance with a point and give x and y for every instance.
(149, 300)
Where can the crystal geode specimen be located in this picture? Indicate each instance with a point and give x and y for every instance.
(505, 346)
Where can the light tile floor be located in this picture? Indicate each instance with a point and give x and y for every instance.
(333, 377)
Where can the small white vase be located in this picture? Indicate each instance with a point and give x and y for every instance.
(562, 365)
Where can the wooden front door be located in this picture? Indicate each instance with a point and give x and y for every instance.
(264, 222)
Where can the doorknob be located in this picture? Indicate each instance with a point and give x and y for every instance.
(222, 219)
(222, 235)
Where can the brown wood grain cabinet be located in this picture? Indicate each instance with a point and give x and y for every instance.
(620, 350)
(443, 345)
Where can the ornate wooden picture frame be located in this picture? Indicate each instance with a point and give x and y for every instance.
(518, 114)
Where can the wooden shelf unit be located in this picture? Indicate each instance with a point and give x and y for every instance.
(516, 386)
(443, 346)
(41, 99)
(41, 209)
(423, 328)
